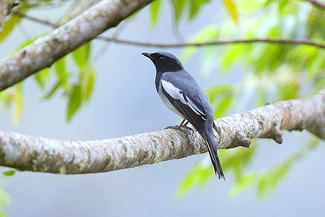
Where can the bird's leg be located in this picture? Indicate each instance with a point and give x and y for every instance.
(184, 124)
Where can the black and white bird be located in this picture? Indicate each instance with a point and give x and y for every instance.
(182, 95)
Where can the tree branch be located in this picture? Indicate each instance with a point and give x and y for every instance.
(75, 157)
(5, 8)
(316, 3)
(83, 28)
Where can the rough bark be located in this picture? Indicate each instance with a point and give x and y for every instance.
(5, 8)
(46, 50)
(75, 157)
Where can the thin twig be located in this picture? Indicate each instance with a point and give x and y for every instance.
(211, 43)
(186, 44)
(35, 19)
(117, 32)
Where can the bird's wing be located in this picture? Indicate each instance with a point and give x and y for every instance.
(189, 106)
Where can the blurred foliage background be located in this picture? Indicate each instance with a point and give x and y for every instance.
(273, 71)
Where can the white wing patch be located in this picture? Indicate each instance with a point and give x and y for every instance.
(176, 93)
(173, 91)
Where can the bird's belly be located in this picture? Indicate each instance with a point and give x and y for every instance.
(167, 103)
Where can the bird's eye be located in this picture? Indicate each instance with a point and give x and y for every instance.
(161, 58)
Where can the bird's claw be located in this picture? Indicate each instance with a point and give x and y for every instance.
(180, 128)
(187, 128)
(172, 127)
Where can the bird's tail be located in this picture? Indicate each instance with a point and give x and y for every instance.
(213, 154)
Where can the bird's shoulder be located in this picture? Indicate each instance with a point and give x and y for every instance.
(183, 86)
(183, 81)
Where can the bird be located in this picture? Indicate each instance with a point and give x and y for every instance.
(181, 94)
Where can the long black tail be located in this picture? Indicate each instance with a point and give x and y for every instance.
(213, 154)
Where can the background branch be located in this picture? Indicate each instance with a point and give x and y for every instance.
(5, 8)
(74, 157)
(34, 19)
(46, 50)
(316, 3)
(213, 43)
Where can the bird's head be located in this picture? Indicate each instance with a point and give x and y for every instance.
(164, 61)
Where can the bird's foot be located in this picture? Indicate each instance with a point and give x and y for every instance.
(187, 128)
(182, 128)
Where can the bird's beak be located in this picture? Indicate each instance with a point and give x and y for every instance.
(147, 55)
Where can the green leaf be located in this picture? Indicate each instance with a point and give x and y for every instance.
(154, 12)
(237, 160)
(220, 97)
(75, 100)
(81, 55)
(53, 90)
(243, 183)
(269, 180)
(24, 44)
(18, 97)
(9, 172)
(316, 64)
(318, 83)
(265, 57)
(231, 160)
(88, 84)
(8, 26)
(7, 97)
(2, 213)
(188, 52)
(208, 33)
(223, 106)
(62, 73)
(220, 89)
(4, 200)
(282, 5)
(42, 77)
(232, 9)
(195, 7)
(179, 6)
(87, 81)
(197, 176)
(231, 55)
(260, 96)
(289, 90)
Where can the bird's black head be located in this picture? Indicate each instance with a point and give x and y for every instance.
(164, 62)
